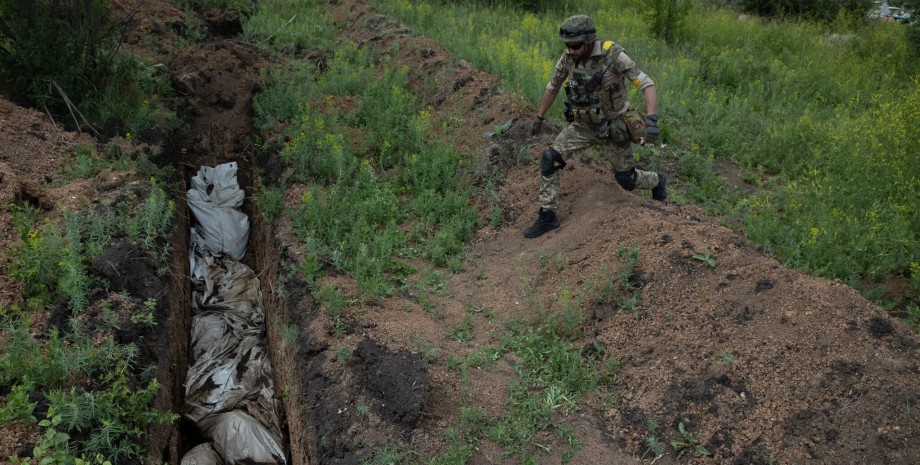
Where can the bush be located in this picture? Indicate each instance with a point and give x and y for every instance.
(72, 44)
(822, 10)
(665, 17)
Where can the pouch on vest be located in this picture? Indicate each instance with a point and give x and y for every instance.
(635, 124)
(619, 134)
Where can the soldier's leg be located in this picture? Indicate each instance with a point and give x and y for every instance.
(573, 138)
(629, 177)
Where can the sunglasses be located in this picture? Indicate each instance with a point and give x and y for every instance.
(570, 33)
(574, 45)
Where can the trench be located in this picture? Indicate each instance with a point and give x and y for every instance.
(312, 400)
(218, 131)
(172, 442)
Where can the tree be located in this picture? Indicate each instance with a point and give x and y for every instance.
(665, 17)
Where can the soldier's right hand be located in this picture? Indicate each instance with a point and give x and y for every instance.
(537, 124)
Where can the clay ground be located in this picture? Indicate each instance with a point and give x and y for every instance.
(763, 364)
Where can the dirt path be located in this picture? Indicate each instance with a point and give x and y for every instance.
(762, 364)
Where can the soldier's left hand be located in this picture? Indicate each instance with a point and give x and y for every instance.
(535, 127)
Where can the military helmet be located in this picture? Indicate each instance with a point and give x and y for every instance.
(578, 29)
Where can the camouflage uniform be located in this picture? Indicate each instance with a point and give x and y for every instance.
(588, 109)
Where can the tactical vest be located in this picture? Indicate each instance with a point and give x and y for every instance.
(608, 98)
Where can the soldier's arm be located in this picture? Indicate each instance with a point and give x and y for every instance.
(641, 80)
(560, 73)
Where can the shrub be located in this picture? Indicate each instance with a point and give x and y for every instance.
(665, 17)
(823, 10)
(70, 43)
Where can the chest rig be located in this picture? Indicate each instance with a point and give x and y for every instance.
(595, 90)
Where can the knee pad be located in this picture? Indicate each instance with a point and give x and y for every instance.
(551, 162)
(626, 179)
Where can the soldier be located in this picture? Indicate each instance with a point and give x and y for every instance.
(598, 112)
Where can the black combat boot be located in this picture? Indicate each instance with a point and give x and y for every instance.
(660, 192)
(546, 221)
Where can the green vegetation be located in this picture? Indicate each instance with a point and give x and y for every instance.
(361, 198)
(104, 420)
(819, 118)
(687, 443)
(65, 57)
(706, 258)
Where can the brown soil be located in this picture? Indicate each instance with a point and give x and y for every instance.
(763, 364)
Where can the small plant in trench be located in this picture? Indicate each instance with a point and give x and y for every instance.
(688, 443)
(388, 455)
(290, 335)
(147, 316)
(428, 350)
(652, 442)
(462, 332)
(343, 355)
(706, 258)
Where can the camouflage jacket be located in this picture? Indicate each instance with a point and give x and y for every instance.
(610, 97)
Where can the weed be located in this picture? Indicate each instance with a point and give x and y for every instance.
(53, 448)
(653, 444)
(146, 317)
(496, 217)
(458, 450)
(270, 201)
(728, 358)
(605, 290)
(290, 335)
(338, 327)
(427, 349)
(152, 222)
(560, 261)
(687, 443)
(455, 363)
(463, 332)
(500, 129)
(706, 258)
(389, 455)
(17, 405)
(343, 355)
(332, 298)
(434, 281)
(85, 166)
(566, 322)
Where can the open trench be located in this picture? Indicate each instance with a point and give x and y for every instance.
(171, 442)
(216, 80)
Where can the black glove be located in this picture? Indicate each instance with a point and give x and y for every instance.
(537, 124)
(651, 129)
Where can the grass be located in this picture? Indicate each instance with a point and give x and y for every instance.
(829, 146)
(365, 151)
(360, 199)
(106, 418)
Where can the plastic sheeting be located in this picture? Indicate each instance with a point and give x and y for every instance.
(230, 391)
(215, 199)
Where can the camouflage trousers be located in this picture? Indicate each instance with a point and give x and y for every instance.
(577, 137)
